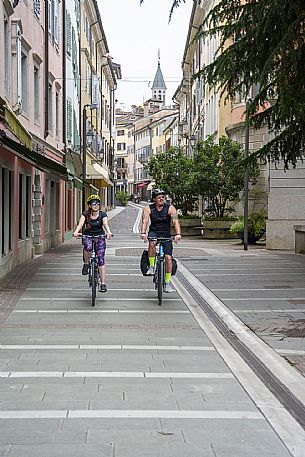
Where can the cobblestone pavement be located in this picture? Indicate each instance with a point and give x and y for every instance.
(128, 378)
(124, 221)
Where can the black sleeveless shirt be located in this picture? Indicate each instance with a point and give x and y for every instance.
(160, 221)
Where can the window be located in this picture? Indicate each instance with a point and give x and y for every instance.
(6, 58)
(6, 210)
(47, 204)
(50, 19)
(24, 81)
(21, 206)
(28, 206)
(120, 132)
(57, 113)
(121, 146)
(56, 23)
(50, 108)
(36, 93)
(36, 8)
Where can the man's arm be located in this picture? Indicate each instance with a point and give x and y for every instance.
(145, 221)
(174, 215)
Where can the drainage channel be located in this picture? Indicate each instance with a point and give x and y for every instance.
(289, 401)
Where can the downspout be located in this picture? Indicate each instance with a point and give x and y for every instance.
(112, 139)
(64, 76)
(46, 71)
(80, 82)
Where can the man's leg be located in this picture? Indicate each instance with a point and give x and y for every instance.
(151, 257)
(168, 249)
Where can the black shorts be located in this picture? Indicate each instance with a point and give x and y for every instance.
(167, 245)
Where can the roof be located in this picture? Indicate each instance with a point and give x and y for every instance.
(159, 80)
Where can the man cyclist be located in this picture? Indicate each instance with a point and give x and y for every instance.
(96, 223)
(160, 214)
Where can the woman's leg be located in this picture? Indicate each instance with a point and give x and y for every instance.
(100, 250)
(86, 254)
(102, 271)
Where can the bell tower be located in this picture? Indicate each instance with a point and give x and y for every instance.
(158, 89)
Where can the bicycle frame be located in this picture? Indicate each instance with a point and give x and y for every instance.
(159, 276)
(93, 272)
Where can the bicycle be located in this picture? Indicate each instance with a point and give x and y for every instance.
(159, 276)
(93, 272)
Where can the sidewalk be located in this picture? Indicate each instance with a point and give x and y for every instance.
(131, 379)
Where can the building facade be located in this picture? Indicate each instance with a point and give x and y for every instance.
(46, 82)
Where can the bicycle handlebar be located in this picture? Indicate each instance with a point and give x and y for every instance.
(90, 236)
(160, 240)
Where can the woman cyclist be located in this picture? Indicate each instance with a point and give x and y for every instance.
(96, 223)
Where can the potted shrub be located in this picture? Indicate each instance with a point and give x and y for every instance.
(256, 226)
(122, 197)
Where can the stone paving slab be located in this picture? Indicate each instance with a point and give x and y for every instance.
(113, 436)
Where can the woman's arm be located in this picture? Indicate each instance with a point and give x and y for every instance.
(80, 226)
(106, 228)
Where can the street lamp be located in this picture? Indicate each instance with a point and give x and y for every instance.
(246, 177)
(84, 170)
(193, 141)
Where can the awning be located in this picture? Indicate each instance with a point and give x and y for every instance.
(151, 185)
(39, 161)
(97, 172)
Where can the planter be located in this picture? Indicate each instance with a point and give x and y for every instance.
(189, 227)
(252, 239)
(217, 230)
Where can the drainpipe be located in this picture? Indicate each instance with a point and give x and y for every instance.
(64, 76)
(46, 72)
(110, 134)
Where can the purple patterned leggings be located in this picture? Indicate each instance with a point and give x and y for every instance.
(100, 248)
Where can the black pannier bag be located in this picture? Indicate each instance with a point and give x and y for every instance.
(174, 266)
(144, 264)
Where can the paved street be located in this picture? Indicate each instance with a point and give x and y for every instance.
(131, 379)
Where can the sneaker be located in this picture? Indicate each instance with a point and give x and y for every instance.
(168, 288)
(85, 269)
(150, 271)
(103, 288)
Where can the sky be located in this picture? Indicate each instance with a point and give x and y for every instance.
(134, 35)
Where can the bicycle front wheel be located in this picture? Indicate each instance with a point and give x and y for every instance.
(93, 282)
(160, 281)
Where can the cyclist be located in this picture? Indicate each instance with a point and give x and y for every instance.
(96, 223)
(160, 214)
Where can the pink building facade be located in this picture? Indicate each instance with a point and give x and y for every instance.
(39, 200)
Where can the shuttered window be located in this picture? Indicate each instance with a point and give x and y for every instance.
(68, 34)
(69, 120)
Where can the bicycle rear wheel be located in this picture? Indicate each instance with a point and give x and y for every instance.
(160, 281)
(93, 282)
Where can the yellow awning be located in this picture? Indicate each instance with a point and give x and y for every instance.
(97, 173)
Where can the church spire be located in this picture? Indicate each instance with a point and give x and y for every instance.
(159, 88)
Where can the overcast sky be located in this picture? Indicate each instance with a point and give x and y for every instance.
(134, 34)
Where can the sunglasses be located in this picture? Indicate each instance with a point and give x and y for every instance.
(95, 203)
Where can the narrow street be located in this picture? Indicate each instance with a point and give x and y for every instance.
(128, 378)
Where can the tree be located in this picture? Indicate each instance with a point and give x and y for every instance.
(219, 172)
(172, 171)
(262, 44)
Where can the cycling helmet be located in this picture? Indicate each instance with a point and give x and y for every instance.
(92, 198)
(157, 192)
